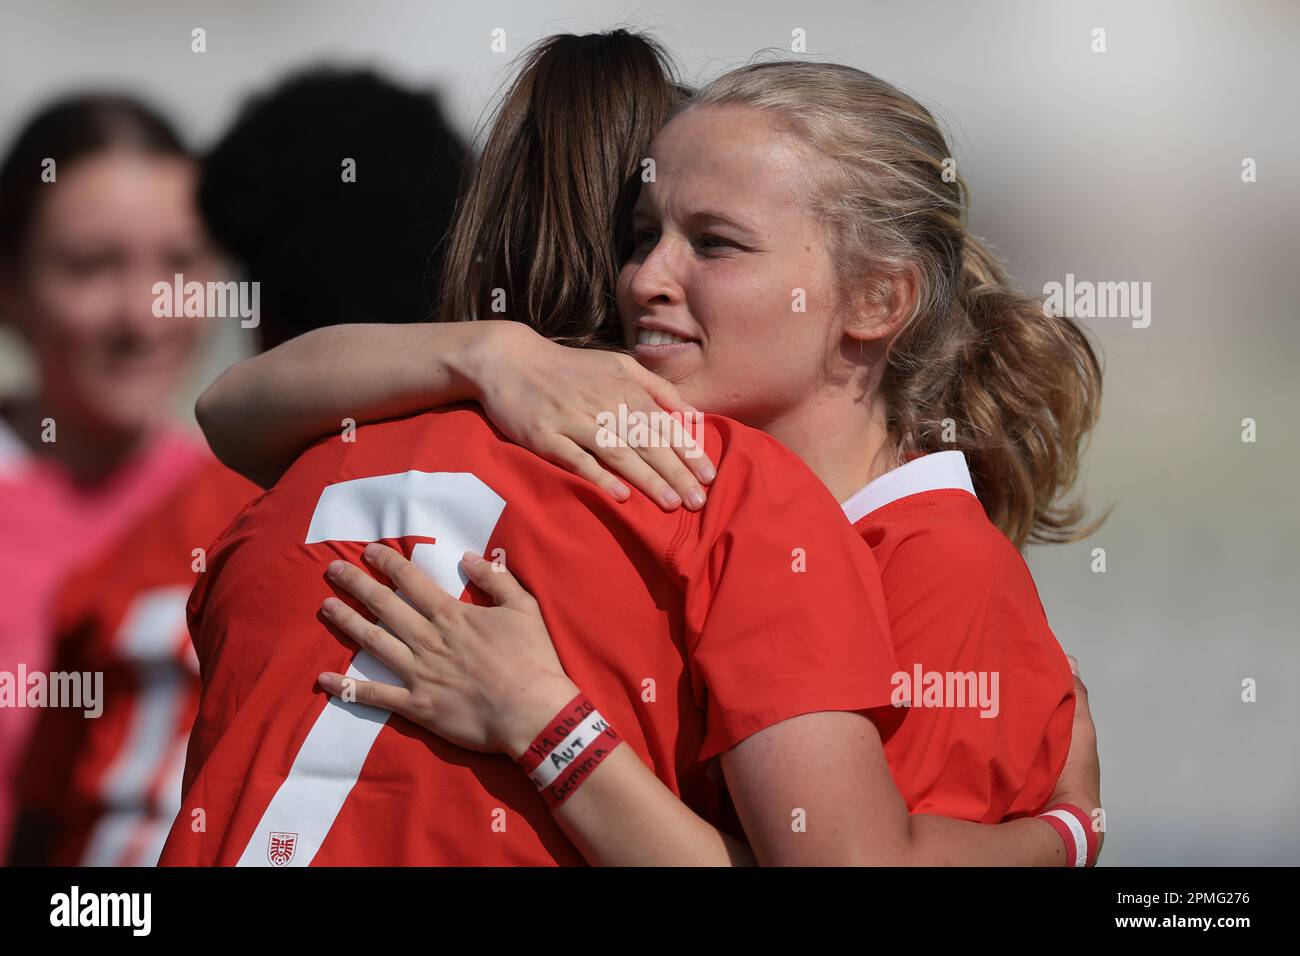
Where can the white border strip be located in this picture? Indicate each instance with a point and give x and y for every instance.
(582, 737)
(939, 471)
(1076, 830)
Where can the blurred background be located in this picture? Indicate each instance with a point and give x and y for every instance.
(1121, 166)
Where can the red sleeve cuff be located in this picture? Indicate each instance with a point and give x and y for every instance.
(730, 728)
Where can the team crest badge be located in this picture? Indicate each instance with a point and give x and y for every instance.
(281, 847)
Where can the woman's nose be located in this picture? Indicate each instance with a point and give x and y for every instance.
(139, 306)
(654, 280)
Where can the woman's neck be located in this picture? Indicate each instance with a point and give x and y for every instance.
(843, 440)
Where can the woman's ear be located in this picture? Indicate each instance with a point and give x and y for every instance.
(881, 306)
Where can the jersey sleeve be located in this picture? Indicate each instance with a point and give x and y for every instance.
(785, 611)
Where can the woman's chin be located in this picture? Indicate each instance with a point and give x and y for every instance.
(125, 418)
(670, 361)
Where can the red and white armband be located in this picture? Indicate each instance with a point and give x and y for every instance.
(569, 748)
(1075, 829)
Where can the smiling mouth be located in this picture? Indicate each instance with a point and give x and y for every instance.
(657, 339)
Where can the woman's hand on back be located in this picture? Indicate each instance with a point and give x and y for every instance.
(484, 678)
(547, 398)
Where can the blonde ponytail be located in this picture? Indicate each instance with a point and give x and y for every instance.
(1028, 389)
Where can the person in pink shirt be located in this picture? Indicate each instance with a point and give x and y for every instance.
(96, 205)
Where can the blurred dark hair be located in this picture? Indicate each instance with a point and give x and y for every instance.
(546, 212)
(327, 251)
(66, 131)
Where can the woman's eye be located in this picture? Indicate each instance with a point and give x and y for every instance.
(180, 261)
(710, 242)
(90, 265)
(646, 238)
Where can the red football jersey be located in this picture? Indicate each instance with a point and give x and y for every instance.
(992, 695)
(690, 631)
(112, 784)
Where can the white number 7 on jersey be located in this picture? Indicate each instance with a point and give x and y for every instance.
(459, 512)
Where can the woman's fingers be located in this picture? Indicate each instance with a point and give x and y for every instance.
(402, 619)
(1083, 723)
(368, 692)
(416, 586)
(654, 452)
(641, 474)
(691, 449)
(669, 463)
(665, 395)
(1079, 686)
(571, 457)
(371, 637)
(496, 581)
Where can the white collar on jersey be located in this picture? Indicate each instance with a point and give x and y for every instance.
(934, 472)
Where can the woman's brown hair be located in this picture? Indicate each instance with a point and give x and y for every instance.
(978, 366)
(537, 233)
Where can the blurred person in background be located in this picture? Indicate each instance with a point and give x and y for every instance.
(96, 205)
(325, 248)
